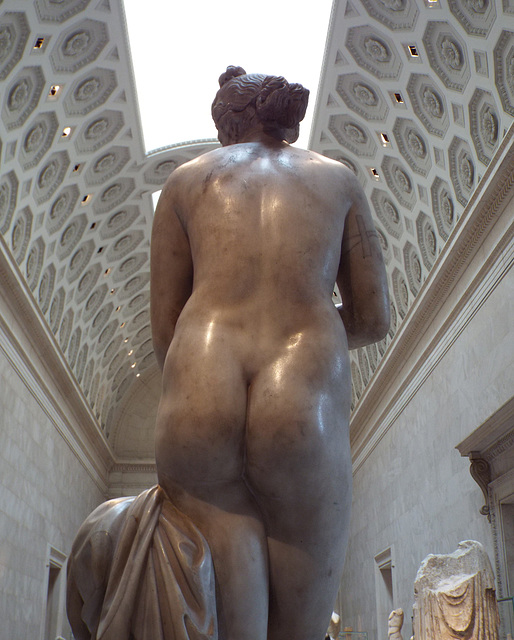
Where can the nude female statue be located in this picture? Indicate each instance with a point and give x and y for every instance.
(252, 428)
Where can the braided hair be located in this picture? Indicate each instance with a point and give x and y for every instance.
(242, 97)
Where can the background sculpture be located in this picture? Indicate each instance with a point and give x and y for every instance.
(394, 626)
(455, 596)
(252, 446)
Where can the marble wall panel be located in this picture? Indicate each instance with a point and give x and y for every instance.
(46, 493)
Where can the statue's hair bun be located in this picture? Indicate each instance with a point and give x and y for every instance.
(231, 72)
(282, 102)
(279, 106)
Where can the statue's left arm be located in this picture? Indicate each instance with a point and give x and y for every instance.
(362, 277)
(171, 279)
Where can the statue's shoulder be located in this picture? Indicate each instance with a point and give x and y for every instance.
(187, 174)
(336, 165)
(340, 171)
(192, 168)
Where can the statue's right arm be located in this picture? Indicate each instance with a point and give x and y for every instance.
(171, 278)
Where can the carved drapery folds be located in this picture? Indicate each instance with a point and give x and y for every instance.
(455, 596)
(140, 570)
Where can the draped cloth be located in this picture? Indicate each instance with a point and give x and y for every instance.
(140, 570)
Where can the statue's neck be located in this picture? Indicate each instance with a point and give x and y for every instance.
(258, 135)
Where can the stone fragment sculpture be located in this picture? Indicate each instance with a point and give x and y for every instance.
(455, 596)
(245, 535)
(394, 625)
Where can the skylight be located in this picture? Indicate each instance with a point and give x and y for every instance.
(179, 49)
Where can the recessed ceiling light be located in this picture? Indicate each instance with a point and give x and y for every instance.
(384, 138)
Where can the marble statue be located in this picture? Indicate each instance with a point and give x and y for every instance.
(252, 444)
(395, 624)
(455, 596)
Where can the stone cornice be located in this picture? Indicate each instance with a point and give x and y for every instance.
(493, 436)
(428, 329)
(33, 351)
(134, 467)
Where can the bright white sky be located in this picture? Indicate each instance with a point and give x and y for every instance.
(181, 47)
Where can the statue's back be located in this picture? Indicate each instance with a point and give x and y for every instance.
(264, 225)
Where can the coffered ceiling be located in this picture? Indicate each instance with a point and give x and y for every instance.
(415, 97)
(76, 185)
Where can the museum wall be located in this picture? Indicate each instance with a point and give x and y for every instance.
(46, 494)
(413, 492)
(49, 483)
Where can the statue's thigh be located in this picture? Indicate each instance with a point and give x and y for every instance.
(201, 420)
(297, 446)
(299, 470)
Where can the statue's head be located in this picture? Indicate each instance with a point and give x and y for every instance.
(246, 99)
